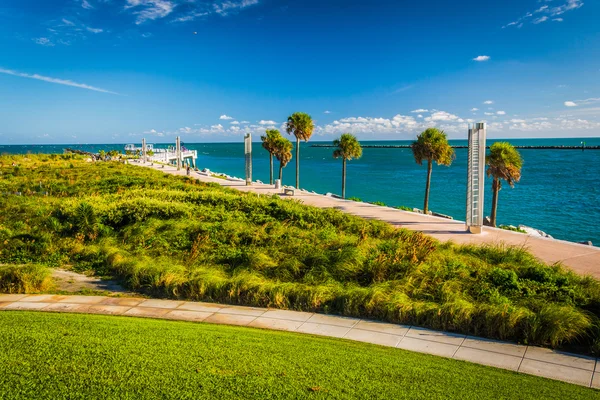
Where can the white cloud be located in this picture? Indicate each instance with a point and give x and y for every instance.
(481, 58)
(488, 102)
(501, 113)
(420, 110)
(225, 117)
(326, 112)
(43, 42)
(546, 13)
(67, 22)
(420, 116)
(154, 132)
(488, 113)
(227, 7)
(584, 102)
(93, 30)
(86, 4)
(245, 122)
(474, 109)
(217, 127)
(234, 123)
(570, 104)
(54, 80)
(442, 116)
(149, 10)
(263, 122)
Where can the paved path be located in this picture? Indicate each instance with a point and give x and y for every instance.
(582, 259)
(538, 361)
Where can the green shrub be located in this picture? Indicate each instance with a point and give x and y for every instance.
(30, 278)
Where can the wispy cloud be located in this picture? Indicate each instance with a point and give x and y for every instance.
(65, 82)
(43, 41)
(482, 58)
(584, 102)
(263, 122)
(488, 102)
(149, 10)
(225, 117)
(326, 112)
(546, 13)
(420, 110)
(93, 30)
(86, 4)
(474, 109)
(227, 7)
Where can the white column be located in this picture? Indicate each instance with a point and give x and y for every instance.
(476, 177)
(178, 152)
(144, 151)
(248, 152)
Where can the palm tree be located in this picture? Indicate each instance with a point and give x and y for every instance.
(302, 126)
(348, 148)
(504, 162)
(283, 153)
(268, 143)
(432, 145)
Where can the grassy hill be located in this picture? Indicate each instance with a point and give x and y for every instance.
(175, 237)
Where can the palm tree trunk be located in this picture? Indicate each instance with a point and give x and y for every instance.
(343, 178)
(297, 163)
(281, 173)
(495, 190)
(427, 186)
(271, 168)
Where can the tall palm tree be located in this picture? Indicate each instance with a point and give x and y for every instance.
(283, 153)
(302, 126)
(504, 162)
(268, 143)
(432, 145)
(348, 148)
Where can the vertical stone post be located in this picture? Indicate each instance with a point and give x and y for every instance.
(476, 177)
(144, 151)
(248, 153)
(178, 152)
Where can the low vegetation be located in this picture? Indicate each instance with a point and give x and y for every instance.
(29, 278)
(175, 237)
(100, 357)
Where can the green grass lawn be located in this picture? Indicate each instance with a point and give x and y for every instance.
(60, 356)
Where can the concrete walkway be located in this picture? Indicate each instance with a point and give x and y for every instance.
(583, 259)
(531, 360)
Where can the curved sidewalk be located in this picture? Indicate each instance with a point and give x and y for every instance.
(582, 259)
(577, 369)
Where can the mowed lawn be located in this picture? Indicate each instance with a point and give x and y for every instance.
(71, 356)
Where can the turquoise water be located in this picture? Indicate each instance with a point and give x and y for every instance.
(559, 191)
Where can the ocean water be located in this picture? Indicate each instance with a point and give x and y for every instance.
(559, 191)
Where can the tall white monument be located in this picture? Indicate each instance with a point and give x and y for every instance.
(248, 153)
(178, 152)
(144, 151)
(475, 177)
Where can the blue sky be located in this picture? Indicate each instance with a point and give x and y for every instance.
(97, 71)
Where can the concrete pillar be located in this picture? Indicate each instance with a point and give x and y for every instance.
(248, 152)
(144, 151)
(476, 177)
(178, 152)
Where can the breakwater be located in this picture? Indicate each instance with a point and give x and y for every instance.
(407, 146)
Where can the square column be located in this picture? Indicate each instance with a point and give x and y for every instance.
(476, 177)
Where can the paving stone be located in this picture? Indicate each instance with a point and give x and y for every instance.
(183, 315)
(496, 346)
(170, 304)
(121, 301)
(42, 298)
(204, 307)
(249, 311)
(274, 323)
(288, 315)
(34, 305)
(230, 319)
(82, 299)
(104, 309)
(596, 380)
(436, 336)
(11, 297)
(4, 303)
(555, 371)
(427, 346)
(146, 312)
(63, 307)
(333, 320)
(560, 358)
(383, 339)
(323, 329)
(484, 357)
(382, 327)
